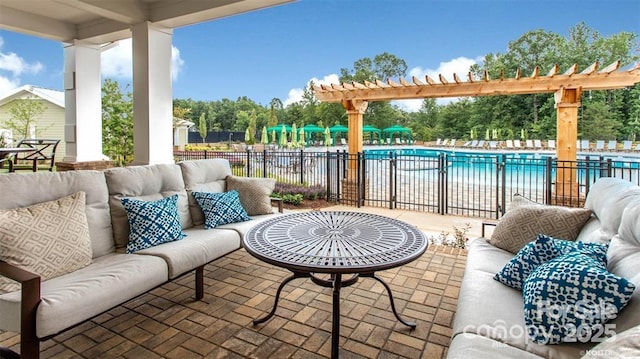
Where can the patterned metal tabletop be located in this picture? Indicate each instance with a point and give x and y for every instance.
(335, 242)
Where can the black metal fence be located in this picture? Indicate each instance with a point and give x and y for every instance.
(466, 184)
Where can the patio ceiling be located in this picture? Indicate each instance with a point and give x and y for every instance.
(102, 21)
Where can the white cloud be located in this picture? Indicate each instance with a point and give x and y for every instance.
(117, 61)
(459, 65)
(176, 63)
(295, 94)
(7, 85)
(11, 67)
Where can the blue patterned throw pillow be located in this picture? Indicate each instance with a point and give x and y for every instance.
(571, 297)
(540, 251)
(221, 208)
(152, 222)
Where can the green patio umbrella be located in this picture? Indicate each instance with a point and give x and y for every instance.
(273, 136)
(278, 128)
(247, 135)
(283, 136)
(294, 134)
(371, 131)
(265, 136)
(310, 130)
(397, 129)
(337, 129)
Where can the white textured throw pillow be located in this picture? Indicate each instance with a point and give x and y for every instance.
(49, 239)
(254, 193)
(526, 219)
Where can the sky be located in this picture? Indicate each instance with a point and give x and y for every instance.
(275, 52)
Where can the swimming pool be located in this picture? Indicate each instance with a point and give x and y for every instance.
(461, 157)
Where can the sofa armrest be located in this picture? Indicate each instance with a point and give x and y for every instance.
(30, 283)
(485, 224)
(277, 202)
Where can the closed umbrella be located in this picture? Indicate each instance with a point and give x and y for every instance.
(327, 136)
(247, 135)
(294, 134)
(273, 136)
(301, 139)
(265, 137)
(283, 136)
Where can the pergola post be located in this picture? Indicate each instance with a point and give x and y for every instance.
(355, 111)
(567, 101)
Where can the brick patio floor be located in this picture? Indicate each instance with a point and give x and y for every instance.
(167, 323)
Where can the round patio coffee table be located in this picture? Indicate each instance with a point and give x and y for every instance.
(336, 243)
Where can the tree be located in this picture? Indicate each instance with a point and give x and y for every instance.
(275, 106)
(23, 117)
(596, 123)
(117, 123)
(202, 127)
(252, 127)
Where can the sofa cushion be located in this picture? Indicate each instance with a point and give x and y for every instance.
(221, 208)
(152, 222)
(474, 346)
(244, 227)
(538, 252)
(33, 188)
(569, 298)
(607, 199)
(624, 260)
(199, 247)
(254, 193)
(522, 224)
(623, 345)
(49, 239)
(78, 296)
(204, 176)
(147, 183)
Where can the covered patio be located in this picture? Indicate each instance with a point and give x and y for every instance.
(167, 323)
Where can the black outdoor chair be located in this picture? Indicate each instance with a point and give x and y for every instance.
(44, 153)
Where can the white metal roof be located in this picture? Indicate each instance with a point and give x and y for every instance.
(53, 96)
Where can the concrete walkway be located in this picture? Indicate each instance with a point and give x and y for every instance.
(430, 223)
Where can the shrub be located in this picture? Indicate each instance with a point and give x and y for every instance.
(306, 192)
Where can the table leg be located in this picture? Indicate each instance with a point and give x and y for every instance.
(275, 304)
(393, 305)
(335, 324)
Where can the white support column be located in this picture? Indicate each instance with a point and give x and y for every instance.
(83, 106)
(152, 94)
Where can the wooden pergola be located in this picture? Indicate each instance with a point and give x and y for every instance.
(567, 86)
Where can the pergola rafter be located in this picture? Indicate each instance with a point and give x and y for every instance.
(589, 79)
(567, 88)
